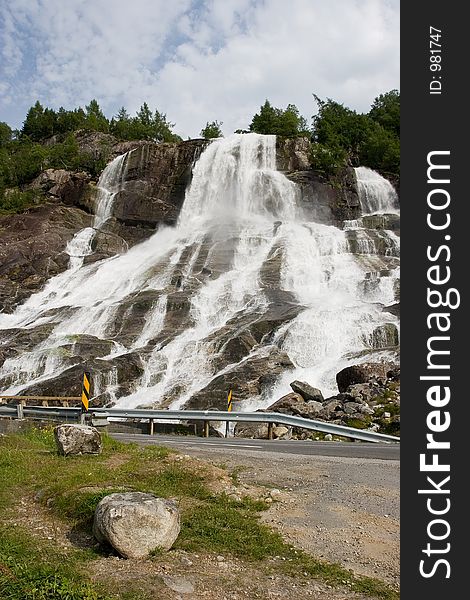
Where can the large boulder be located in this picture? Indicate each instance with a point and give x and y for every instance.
(258, 431)
(135, 523)
(77, 439)
(294, 404)
(307, 392)
(363, 373)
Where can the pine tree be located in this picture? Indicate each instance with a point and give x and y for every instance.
(95, 119)
(212, 130)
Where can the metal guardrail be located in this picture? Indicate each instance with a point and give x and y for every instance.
(197, 415)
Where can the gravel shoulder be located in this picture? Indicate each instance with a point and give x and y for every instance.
(345, 510)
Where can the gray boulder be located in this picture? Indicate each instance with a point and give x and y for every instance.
(307, 391)
(135, 523)
(281, 432)
(295, 404)
(258, 431)
(77, 439)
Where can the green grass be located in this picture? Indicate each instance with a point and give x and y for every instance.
(71, 487)
(32, 571)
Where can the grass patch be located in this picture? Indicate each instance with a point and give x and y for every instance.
(358, 423)
(71, 487)
(235, 473)
(30, 571)
(227, 526)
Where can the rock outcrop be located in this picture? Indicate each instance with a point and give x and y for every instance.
(295, 404)
(32, 244)
(370, 399)
(156, 180)
(32, 249)
(136, 523)
(323, 200)
(68, 187)
(250, 377)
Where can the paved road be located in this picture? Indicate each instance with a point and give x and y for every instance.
(351, 450)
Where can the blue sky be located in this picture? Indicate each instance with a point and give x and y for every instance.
(196, 60)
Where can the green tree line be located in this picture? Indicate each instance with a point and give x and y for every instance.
(47, 140)
(338, 136)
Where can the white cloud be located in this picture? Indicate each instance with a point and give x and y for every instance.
(199, 61)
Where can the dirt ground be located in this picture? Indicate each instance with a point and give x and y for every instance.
(344, 510)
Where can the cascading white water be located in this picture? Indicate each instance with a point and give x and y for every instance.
(45, 360)
(376, 193)
(239, 213)
(109, 184)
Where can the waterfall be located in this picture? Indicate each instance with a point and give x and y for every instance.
(109, 184)
(376, 194)
(170, 306)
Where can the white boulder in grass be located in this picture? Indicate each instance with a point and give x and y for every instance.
(136, 523)
(77, 439)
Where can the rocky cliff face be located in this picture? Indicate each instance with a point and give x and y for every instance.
(156, 180)
(323, 201)
(32, 249)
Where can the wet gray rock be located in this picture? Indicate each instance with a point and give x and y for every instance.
(136, 523)
(249, 378)
(156, 180)
(394, 309)
(295, 404)
(384, 336)
(258, 431)
(385, 221)
(307, 391)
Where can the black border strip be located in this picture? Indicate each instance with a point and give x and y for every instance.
(433, 122)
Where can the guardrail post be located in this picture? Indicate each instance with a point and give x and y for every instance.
(206, 428)
(151, 426)
(19, 411)
(270, 431)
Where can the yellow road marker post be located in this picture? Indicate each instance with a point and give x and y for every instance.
(85, 397)
(229, 409)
